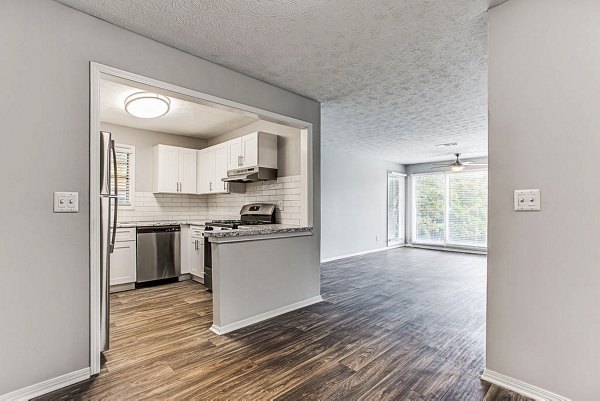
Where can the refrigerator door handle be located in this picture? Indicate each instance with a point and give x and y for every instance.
(115, 197)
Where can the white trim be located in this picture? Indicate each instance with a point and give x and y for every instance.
(98, 70)
(45, 387)
(349, 255)
(122, 287)
(466, 170)
(526, 389)
(448, 249)
(264, 316)
(95, 71)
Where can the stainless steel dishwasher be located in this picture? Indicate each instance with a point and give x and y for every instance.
(158, 253)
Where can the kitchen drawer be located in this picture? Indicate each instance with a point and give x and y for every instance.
(125, 234)
(196, 231)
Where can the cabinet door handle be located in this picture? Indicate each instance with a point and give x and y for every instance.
(210, 186)
(240, 157)
(224, 186)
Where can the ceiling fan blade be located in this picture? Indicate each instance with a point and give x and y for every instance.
(477, 164)
(438, 167)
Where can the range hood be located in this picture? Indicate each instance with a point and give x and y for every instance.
(251, 174)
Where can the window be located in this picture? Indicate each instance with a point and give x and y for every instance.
(430, 192)
(125, 174)
(467, 209)
(450, 209)
(396, 205)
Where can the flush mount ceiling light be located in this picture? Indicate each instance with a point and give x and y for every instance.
(147, 105)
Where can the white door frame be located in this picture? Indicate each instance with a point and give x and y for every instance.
(97, 72)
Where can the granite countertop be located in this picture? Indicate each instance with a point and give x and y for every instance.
(247, 231)
(129, 224)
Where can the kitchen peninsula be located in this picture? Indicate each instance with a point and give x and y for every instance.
(261, 272)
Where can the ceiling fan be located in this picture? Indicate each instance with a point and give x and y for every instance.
(457, 165)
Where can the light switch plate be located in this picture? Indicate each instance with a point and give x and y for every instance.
(66, 202)
(528, 200)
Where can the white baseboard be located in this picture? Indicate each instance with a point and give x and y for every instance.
(45, 387)
(520, 387)
(184, 277)
(264, 316)
(447, 249)
(387, 248)
(122, 287)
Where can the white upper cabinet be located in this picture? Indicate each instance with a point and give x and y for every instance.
(258, 149)
(166, 169)
(250, 150)
(187, 171)
(212, 167)
(174, 170)
(206, 171)
(234, 153)
(221, 166)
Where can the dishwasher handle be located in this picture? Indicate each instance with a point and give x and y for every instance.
(158, 229)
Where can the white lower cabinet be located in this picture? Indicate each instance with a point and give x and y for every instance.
(192, 251)
(196, 257)
(123, 259)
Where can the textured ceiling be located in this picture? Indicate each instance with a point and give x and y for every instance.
(184, 117)
(396, 77)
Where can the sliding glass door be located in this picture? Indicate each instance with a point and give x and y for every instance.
(450, 209)
(396, 205)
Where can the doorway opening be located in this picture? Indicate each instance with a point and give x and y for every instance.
(198, 127)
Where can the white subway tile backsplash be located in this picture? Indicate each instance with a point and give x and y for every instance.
(286, 192)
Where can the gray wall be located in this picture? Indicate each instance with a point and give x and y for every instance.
(44, 257)
(354, 203)
(425, 168)
(288, 144)
(544, 267)
(144, 141)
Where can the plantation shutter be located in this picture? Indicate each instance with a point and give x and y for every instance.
(125, 174)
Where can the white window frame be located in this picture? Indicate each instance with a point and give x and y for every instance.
(403, 240)
(413, 212)
(129, 149)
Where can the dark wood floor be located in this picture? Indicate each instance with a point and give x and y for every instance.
(405, 324)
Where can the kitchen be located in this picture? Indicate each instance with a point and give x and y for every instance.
(205, 193)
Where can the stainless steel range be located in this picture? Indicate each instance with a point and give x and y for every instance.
(250, 215)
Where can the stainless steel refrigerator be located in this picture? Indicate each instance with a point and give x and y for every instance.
(108, 227)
